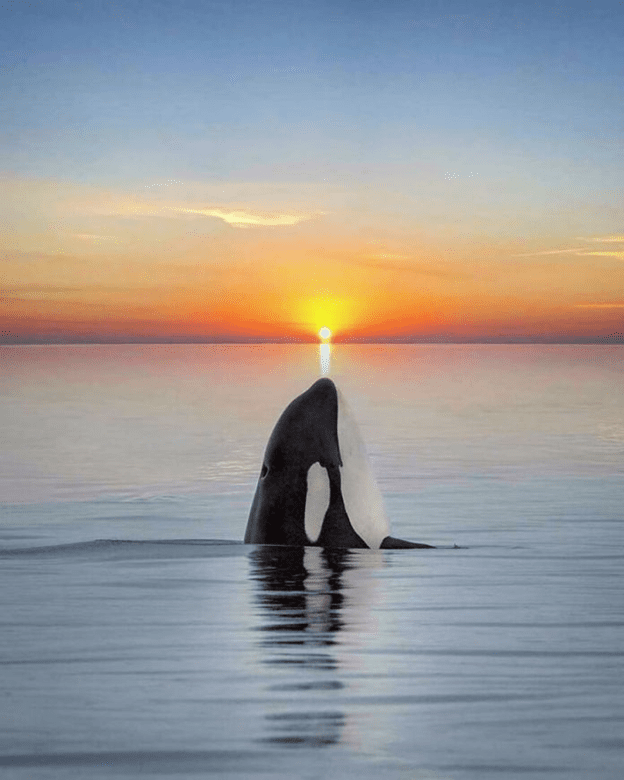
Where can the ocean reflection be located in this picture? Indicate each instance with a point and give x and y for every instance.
(325, 357)
(300, 593)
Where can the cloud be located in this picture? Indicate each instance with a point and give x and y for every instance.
(396, 264)
(581, 251)
(385, 256)
(91, 237)
(236, 216)
(599, 306)
(36, 292)
(18, 256)
(244, 218)
(576, 250)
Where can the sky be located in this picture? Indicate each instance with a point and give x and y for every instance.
(198, 170)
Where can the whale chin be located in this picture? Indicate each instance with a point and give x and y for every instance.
(316, 485)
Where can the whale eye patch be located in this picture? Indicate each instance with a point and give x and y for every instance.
(265, 471)
(318, 496)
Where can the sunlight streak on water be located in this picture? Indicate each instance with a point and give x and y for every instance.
(325, 355)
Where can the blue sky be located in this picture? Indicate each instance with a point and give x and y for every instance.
(115, 91)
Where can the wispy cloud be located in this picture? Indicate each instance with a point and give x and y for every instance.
(91, 237)
(36, 292)
(583, 251)
(575, 250)
(247, 218)
(599, 306)
(236, 216)
(18, 256)
(386, 256)
(398, 264)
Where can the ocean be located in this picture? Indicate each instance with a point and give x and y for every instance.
(140, 637)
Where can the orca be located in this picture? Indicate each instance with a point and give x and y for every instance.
(316, 486)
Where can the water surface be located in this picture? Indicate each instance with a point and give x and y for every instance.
(139, 636)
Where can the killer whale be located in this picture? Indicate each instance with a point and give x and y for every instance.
(316, 487)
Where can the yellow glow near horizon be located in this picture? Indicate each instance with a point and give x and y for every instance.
(327, 311)
(325, 333)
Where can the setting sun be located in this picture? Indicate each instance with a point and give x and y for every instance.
(325, 333)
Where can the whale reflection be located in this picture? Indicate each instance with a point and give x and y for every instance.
(301, 599)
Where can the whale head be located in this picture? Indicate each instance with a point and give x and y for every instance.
(316, 486)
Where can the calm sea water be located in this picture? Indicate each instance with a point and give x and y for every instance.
(139, 637)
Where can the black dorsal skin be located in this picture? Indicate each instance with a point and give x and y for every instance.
(306, 433)
(390, 543)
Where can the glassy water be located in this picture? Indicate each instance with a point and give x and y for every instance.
(139, 637)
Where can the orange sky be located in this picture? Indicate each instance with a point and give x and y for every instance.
(223, 261)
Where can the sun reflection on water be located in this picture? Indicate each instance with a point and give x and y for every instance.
(325, 355)
(325, 350)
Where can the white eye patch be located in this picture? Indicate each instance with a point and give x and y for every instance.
(317, 501)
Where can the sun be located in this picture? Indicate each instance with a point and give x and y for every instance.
(325, 334)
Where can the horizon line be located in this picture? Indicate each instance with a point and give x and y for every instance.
(610, 339)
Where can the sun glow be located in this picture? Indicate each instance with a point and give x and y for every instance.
(327, 313)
